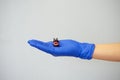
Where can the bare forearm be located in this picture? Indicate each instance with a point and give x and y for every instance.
(109, 52)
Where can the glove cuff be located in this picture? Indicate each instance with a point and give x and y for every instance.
(86, 51)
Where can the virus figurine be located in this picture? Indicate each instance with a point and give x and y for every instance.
(55, 42)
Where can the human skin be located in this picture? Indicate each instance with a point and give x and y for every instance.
(110, 52)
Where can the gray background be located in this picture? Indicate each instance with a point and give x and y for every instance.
(93, 21)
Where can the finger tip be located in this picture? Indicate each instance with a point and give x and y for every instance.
(30, 42)
(33, 42)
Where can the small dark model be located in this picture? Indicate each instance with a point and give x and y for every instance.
(55, 42)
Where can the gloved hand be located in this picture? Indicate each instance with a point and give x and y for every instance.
(66, 48)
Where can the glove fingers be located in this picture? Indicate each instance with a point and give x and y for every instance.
(41, 45)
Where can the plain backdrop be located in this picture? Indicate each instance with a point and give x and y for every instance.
(92, 21)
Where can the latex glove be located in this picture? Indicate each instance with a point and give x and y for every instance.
(66, 48)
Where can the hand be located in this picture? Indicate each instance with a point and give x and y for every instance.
(65, 48)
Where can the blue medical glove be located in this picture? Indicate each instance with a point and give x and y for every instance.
(66, 48)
